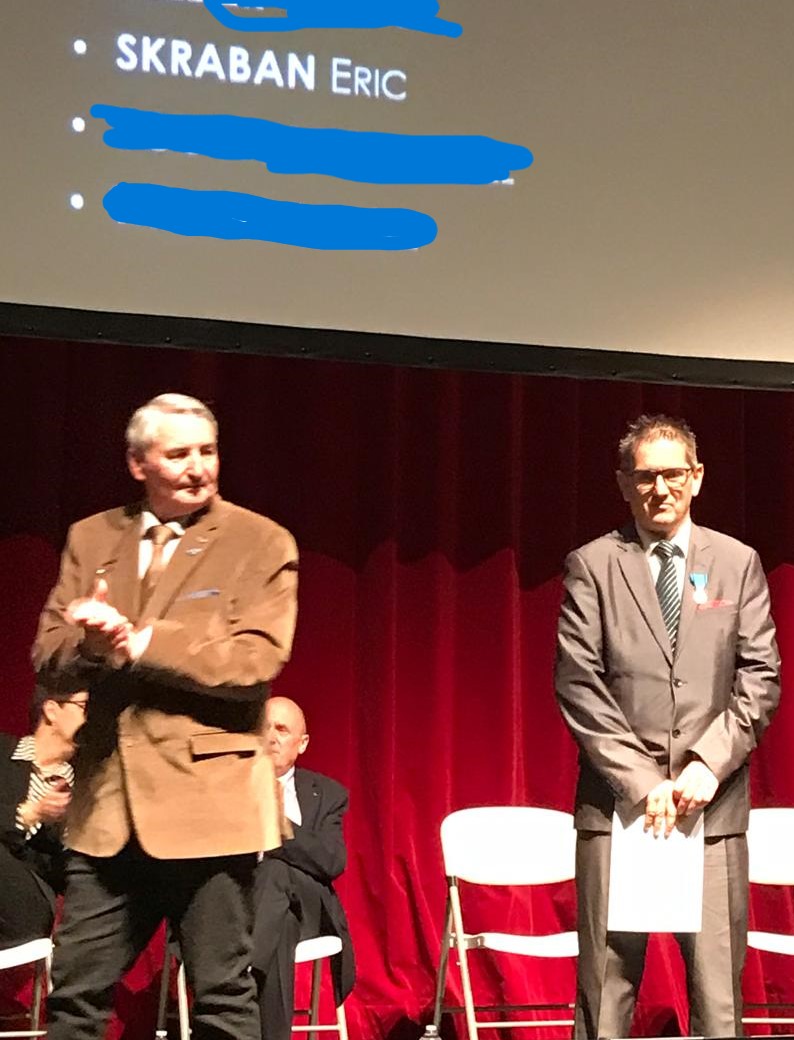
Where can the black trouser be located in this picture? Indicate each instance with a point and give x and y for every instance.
(26, 912)
(276, 986)
(111, 910)
(288, 909)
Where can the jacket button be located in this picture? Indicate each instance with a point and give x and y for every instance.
(678, 682)
(676, 732)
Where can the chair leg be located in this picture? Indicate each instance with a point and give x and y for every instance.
(184, 1011)
(341, 1022)
(38, 986)
(314, 1006)
(161, 1028)
(443, 964)
(460, 945)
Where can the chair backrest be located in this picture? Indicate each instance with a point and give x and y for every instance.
(509, 845)
(770, 842)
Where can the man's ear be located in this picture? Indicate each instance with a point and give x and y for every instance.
(134, 466)
(697, 479)
(624, 484)
(304, 743)
(48, 709)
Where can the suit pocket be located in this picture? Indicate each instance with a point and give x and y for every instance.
(209, 745)
(717, 617)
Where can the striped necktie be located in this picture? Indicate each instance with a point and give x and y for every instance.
(667, 588)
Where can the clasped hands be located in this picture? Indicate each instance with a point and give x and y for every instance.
(672, 799)
(107, 634)
(50, 808)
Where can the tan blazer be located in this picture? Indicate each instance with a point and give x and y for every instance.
(170, 746)
(637, 711)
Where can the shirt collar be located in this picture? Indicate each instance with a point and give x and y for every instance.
(680, 539)
(149, 520)
(285, 778)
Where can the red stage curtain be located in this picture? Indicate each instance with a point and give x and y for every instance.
(433, 510)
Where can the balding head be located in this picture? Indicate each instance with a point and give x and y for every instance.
(285, 732)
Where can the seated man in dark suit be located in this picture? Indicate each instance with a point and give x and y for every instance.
(35, 788)
(294, 893)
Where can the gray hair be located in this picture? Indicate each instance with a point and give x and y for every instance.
(144, 426)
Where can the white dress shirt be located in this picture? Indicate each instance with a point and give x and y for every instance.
(148, 521)
(292, 809)
(681, 540)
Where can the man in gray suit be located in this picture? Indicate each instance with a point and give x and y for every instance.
(667, 675)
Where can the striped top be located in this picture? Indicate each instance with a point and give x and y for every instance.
(40, 776)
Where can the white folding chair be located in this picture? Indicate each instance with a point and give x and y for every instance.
(182, 1003)
(770, 843)
(317, 951)
(503, 845)
(39, 954)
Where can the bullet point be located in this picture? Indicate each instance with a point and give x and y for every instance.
(76, 201)
(80, 46)
(78, 124)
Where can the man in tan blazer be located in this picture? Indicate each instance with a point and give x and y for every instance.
(667, 675)
(175, 614)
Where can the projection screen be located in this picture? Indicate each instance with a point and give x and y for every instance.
(610, 174)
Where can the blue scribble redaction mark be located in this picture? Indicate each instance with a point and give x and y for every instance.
(415, 15)
(235, 216)
(353, 155)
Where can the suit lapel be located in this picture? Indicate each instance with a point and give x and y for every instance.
(192, 549)
(121, 564)
(308, 797)
(700, 560)
(637, 575)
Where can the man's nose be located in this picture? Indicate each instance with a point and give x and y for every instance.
(659, 485)
(195, 463)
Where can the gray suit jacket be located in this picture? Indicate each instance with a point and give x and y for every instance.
(639, 712)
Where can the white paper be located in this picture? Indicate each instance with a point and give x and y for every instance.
(656, 884)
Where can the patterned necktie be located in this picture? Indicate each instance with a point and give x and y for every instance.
(667, 589)
(159, 535)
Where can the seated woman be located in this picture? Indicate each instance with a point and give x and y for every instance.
(35, 789)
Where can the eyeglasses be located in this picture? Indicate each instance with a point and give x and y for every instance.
(83, 705)
(645, 479)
